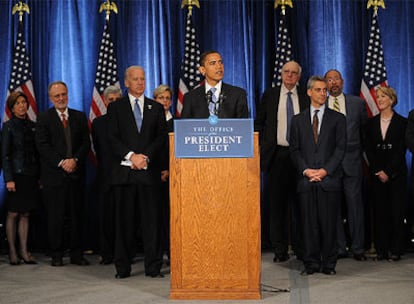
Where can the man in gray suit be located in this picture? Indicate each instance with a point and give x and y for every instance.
(355, 112)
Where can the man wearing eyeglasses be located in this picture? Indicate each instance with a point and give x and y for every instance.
(275, 111)
(355, 112)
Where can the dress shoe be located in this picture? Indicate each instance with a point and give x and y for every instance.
(280, 257)
(382, 256)
(154, 275)
(122, 275)
(328, 271)
(80, 261)
(105, 261)
(308, 271)
(360, 257)
(57, 262)
(394, 257)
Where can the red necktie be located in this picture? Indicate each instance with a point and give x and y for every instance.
(64, 121)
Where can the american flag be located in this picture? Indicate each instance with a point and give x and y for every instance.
(106, 74)
(283, 51)
(190, 77)
(375, 73)
(21, 76)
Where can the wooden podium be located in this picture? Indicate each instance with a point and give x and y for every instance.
(215, 227)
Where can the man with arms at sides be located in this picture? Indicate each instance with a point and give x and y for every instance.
(104, 174)
(356, 115)
(317, 145)
(62, 139)
(214, 97)
(137, 134)
(273, 118)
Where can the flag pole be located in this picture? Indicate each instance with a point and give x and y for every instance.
(190, 4)
(108, 6)
(283, 4)
(20, 8)
(372, 253)
(375, 4)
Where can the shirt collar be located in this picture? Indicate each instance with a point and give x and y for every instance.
(284, 90)
(66, 112)
(217, 86)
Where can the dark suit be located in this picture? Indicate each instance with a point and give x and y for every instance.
(165, 193)
(104, 175)
(318, 201)
(356, 119)
(280, 177)
(389, 198)
(136, 191)
(63, 192)
(409, 140)
(234, 103)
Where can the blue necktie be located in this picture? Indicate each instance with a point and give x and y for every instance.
(137, 115)
(289, 113)
(212, 105)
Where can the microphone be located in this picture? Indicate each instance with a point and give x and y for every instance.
(221, 99)
(209, 96)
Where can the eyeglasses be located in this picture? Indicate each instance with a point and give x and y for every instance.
(333, 79)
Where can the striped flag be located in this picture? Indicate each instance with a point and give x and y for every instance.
(106, 74)
(283, 51)
(21, 76)
(190, 77)
(375, 73)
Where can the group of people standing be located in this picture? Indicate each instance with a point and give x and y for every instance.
(311, 147)
(313, 170)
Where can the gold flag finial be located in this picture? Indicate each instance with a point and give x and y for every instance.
(21, 8)
(283, 4)
(375, 4)
(190, 4)
(108, 6)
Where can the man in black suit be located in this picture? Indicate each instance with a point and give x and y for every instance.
(317, 145)
(104, 174)
(214, 97)
(356, 115)
(273, 123)
(137, 133)
(62, 139)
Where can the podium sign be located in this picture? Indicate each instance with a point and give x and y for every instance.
(207, 138)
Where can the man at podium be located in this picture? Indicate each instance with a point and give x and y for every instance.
(214, 97)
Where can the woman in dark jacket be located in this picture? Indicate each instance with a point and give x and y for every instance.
(20, 170)
(385, 147)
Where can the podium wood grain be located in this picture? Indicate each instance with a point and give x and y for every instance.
(215, 227)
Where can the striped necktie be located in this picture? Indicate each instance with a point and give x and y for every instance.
(336, 105)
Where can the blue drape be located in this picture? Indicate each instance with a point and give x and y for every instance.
(63, 38)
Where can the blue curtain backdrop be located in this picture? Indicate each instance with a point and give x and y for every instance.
(63, 38)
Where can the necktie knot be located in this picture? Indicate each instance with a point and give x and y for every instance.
(64, 120)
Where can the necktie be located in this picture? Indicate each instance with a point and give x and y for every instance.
(137, 115)
(336, 105)
(289, 114)
(64, 121)
(315, 125)
(212, 106)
